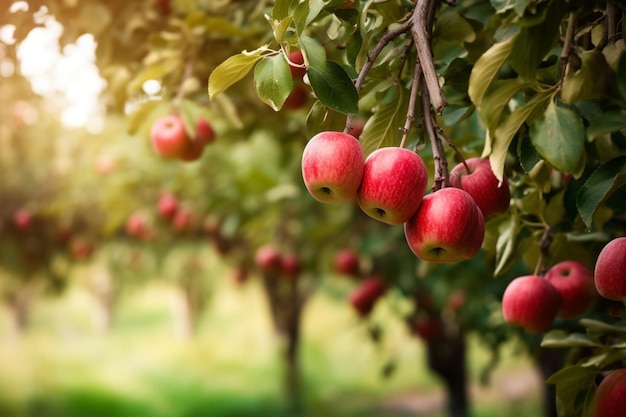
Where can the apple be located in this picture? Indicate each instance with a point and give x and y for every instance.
(296, 65)
(136, 226)
(332, 166)
(531, 302)
(290, 265)
(204, 131)
(22, 219)
(393, 185)
(364, 297)
(192, 151)
(347, 262)
(574, 282)
(297, 98)
(610, 270)
(167, 206)
(81, 248)
(610, 397)
(168, 136)
(448, 227)
(105, 164)
(347, 4)
(268, 258)
(183, 220)
(428, 328)
(481, 183)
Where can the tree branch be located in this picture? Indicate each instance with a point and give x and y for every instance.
(442, 177)
(410, 114)
(568, 45)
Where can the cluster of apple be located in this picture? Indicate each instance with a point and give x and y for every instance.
(270, 260)
(170, 139)
(447, 225)
(533, 301)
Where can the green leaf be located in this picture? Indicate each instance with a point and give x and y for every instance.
(281, 9)
(306, 12)
(496, 99)
(602, 183)
(505, 245)
(383, 128)
(606, 123)
(621, 75)
(232, 70)
(322, 119)
(602, 326)
(559, 137)
(486, 69)
(273, 80)
(533, 43)
(313, 51)
(588, 81)
(141, 115)
(498, 147)
(527, 154)
(280, 27)
(334, 87)
(156, 71)
(561, 339)
(452, 26)
(573, 381)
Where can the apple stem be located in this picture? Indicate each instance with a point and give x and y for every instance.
(544, 251)
(442, 176)
(451, 144)
(180, 94)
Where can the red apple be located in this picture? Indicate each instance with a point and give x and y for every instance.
(193, 150)
(167, 205)
(137, 226)
(290, 265)
(332, 166)
(183, 220)
(574, 282)
(268, 258)
(298, 70)
(204, 131)
(168, 136)
(358, 124)
(481, 183)
(347, 262)
(610, 397)
(428, 328)
(531, 302)
(364, 297)
(297, 98)
(347, 4)
(81, 248)
(610, 270)
(448, 227)
(22, 219)
(393, 185)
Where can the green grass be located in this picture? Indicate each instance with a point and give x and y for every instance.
(62, 367)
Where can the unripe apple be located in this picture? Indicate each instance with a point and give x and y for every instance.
(332, 166)
(168, 136)
(347, 262)
(610, 270)
(393, 185)
(364, 297)
(298, 71)
(268, 259)
(610, 397)
(448, 227)
(481, 183)
(531, 302)
(290, 265)
(167, 205)
(22, 219)
(574, 282)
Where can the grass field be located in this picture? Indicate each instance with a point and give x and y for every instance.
(62, 367)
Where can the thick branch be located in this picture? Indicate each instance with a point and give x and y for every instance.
(422, 19)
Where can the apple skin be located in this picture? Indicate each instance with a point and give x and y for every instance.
(168, 136)
(298, 97)
(347, 262)
(297, 71)
(268, 259)
(364, 297)
(481, 183)
(448, 227)
(610, 270)
(574, 282)
(332, 167)
(204, 131)
(531, 302)
(393, 185)
(610, 397)
(290, 265)
(167, 206)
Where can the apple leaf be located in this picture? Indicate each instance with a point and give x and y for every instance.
(232, 70)
(505, 245)
(600, 184)
(559, 137)
(281, 9)
(383, 128)
(587, 82)
(621, 75)
(499, 145)
(273, 80)
(563, 339)
(313, 51)
(334, 87)
(486, 69)
(321, 119)
(574, 382)
(495, 100)
(156, 71)
(452, 26)
(602, 327)
(306, 12)
(606, 123)
(139, 116)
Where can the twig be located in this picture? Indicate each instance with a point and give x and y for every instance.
(422, 19)
(410, 114)
(611, 20)
(456, 150)
(180, 94)
(442, 177)
(371, 58)
(568, 44)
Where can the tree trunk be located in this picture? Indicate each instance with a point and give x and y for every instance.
(185, 313)
(447, 358)
(549, 361)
